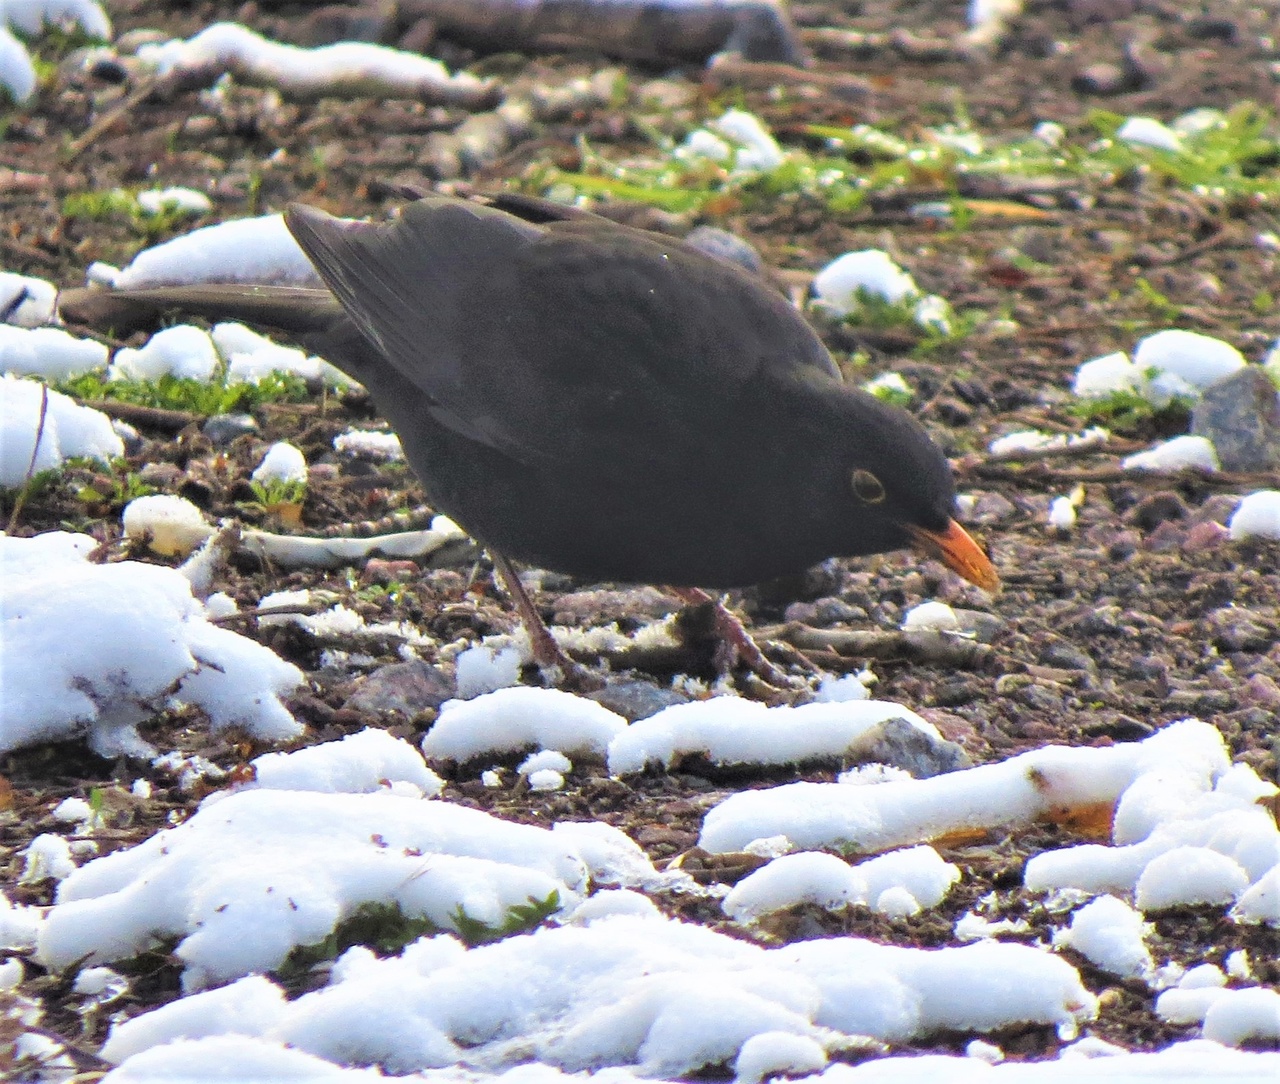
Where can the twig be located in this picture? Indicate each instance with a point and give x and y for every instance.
(974, 463)
(172, 421)
(31, 465)
(926, 646)
(104, 123)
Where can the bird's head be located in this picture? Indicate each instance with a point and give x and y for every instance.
(899, 490)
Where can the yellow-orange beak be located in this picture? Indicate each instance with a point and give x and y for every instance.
(959, 552)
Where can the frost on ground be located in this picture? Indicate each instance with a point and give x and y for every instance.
(97, 649)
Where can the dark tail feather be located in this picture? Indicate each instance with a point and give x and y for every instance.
(300, 310)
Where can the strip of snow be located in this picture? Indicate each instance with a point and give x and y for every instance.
(242, 250)
(728, 730)
(908, 811)
(347, 68)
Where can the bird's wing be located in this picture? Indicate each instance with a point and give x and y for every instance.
(553, 341)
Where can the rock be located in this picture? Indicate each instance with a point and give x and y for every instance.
(1166, 538)
(1066, 656)
(726, 246)
(222, 429)
(1158, 508)
(990, 508)
(1240, 414)
(1101, 78)
(637, 699)
(1236, 630)
(409, 688)
(901, 744)
(825, 612)
(1205, 536)
(1216, 509)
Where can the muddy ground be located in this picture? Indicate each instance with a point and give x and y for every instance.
(1103, 633)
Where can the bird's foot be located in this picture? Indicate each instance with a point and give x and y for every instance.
(557, 668)
(734, 642)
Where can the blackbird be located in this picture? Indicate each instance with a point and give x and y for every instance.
(596, 399)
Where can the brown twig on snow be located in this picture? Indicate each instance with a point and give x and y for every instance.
(31, 465)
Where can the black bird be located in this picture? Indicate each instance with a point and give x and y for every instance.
(596, 399)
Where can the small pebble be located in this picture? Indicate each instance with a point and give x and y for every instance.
(222, 429)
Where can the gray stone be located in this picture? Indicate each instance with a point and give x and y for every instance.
(726, 246)
(222, 429)
(1240, 414)
(637, 699)
(405, 687)
(904, 745)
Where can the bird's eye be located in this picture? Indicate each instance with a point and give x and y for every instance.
(867, 487)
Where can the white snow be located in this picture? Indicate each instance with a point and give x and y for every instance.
(1186, 362)
(1104, 376)
(97, 649)
(1189, 875)
(900, 882)
(1035, 440)
(69, 430)
(731, 731)
(777, 1053)
(806, 877)
(641, 991)
(1149, 132)
(241, 250)
(484, 669)
(173, 525)
(1261, 903)
(156, 201)
(47, 855)
(932, 617)
(26, 301)
(515, 719)
(369, 443)
(1237, 1015)
(49, 352)
(1178, 454)
(32, 16)
(737, 137)
(184, 351)
(1062, 514)
(870, 271)
(255, 873)
(283, 462)
(1166, 364)
(250, 356)
(1257, 516)
(889, 386)
(361, 763)
(17, 70)
(907, 811)
(307, 72)
(1111, 935)
(839, 690)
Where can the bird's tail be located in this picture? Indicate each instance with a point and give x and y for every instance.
(299, 310)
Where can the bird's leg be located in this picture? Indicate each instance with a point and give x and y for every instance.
(734, 636)
(551, 660)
